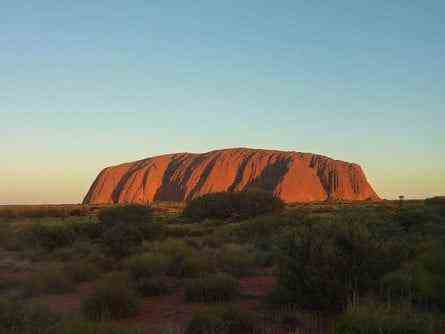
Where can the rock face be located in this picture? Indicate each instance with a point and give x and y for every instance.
(293, 176)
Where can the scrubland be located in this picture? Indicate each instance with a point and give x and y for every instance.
(224, 263)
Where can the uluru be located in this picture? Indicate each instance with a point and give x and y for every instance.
(292, 176)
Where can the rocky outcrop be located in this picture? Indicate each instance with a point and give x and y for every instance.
(293, 176)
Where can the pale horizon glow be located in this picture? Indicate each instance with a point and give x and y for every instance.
(85, 86)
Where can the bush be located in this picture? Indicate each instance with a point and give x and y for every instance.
(325, 264)
(130, 214)
(381, 319)
(113, 298)
(222, 320)
(237, 260)
(17, 317)
(86, 327)
(81, 271)
(196, 265)
(126, 227)
(153, 286)
(184, 260)
(212, 288)
(179, 252)
(437, 200)
(421, 281)
(148, 271)
(122, 239)
(51, 280)
(148, 265)
(237, 205)
(50, 236)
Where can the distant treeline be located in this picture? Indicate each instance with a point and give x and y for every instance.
(70, 210)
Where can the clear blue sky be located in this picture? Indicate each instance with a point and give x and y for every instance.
(85, 84)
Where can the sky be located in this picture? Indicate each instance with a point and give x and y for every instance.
(87, 84)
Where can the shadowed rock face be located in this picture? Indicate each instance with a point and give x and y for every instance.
(293, 176)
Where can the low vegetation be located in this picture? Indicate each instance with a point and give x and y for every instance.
(215, 288)
(333, 268)
(30, 318)
(113, 298)
(235, 205)
(222, 320)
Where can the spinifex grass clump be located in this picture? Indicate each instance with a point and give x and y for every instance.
(51, 280)
(236, 205)
(81, 271)
(374, 318)
(214, 288)
(222, 320)
(148, 271)
(89, 327)
(113, 298)
(25, 318)
(236, 259)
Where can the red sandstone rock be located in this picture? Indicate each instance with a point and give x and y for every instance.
(293, 176)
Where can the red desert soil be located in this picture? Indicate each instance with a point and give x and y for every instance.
(158, 312)
(69, 302)
(293, 176)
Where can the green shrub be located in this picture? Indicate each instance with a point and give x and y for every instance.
(221, 320)
(51, 279)
(238, 205)
(32, 318)
(8, 237)
(152, 286)
(421, 281)
(122, 239)
(85, 248)
(148, 265)
(258, 230)
(48, 236)
(113, 298)
(327, 263)
(212, 288)
(148, 272)
(196, 265)
(86, 327)
(81, 271)
(126, 227)
(411, 219)
(178, 251)
(185, 260)
(237, 260)
(382, 319)
(130, 214)
(53, 235)
(437, 200)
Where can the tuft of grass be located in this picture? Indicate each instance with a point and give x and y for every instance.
(52, 280)
(237, 260)
(222, 320)
(148, 265)
(25, 318)
(81, 271)
(214, 288)
(88, 327)
(374, 318)
(113, 298)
